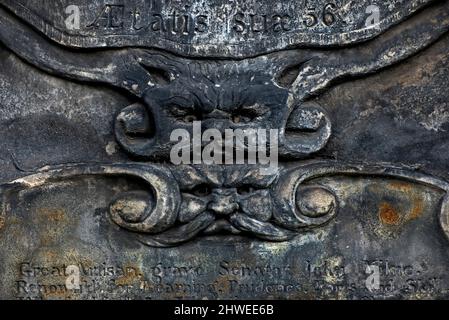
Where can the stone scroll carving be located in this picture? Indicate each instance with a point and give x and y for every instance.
(273, 91)
(180, 204)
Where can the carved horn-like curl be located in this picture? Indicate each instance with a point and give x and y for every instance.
(121, 68)
(323, 68)
(308, 72)
(298, 205)
(150, 212)
(308, 130)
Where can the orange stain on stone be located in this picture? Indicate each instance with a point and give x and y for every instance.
(388, 215)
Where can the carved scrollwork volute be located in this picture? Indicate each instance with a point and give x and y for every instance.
(151, 211)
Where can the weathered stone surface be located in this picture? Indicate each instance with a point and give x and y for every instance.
(219, 27)
(357, 207)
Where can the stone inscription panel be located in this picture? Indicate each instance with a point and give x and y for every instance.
(217, 27)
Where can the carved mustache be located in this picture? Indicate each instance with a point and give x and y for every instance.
(232, 213)
(237, 223)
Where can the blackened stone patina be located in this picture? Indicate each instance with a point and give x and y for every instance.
(93, 207)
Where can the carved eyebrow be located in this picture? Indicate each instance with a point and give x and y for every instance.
(161, 60)
(160, 75)
(180, 101)
(287, 75)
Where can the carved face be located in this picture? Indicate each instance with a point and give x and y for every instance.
(262, 92)
(227, 193)
(222, 95)
(272, 91)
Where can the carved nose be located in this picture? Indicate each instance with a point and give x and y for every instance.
(223, 203)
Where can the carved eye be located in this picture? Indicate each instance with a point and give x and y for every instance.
(249, 113)
(190, 118)
(202, 190)
(245, 189)
(185, 114)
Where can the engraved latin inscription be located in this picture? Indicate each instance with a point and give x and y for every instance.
(185, 22)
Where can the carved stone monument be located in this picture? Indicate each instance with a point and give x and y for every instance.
(114, 185)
